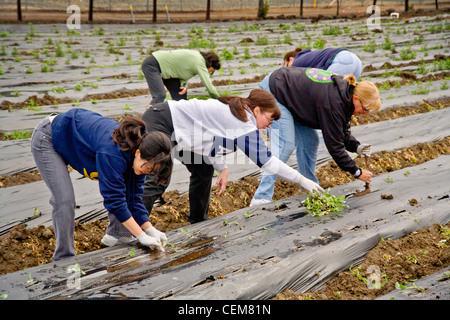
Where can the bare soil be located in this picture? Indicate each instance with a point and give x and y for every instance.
(401, 261)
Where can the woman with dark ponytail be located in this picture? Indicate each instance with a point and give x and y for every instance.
(205, 131)
(118, 156)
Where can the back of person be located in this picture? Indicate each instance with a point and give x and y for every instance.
(322, 90)
(78, 135)
(320, 59)
(203, 121)
(181, 64)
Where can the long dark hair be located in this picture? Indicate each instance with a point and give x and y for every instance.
(257, 98)
(211, 59)
(154, 146)
(291, 54)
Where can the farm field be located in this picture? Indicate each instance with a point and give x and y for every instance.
(47, 68)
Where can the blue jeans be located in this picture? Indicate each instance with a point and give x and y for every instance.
(285, 135)
(346, 62)
(54, 171)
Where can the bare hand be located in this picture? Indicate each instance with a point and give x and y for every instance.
(366, 176)
(183, 91)
(221, 182)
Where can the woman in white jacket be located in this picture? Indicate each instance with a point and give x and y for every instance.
(204, 131)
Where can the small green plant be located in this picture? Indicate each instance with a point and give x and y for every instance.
(131, 253)
(319, 44)
(331, 31)
(407, 54)
(227, 55)
(30, 280)
(186, 232)
(389, 179)
(325, 203)
(18, 134)
(370, 47)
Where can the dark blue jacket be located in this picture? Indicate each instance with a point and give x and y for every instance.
(83, 139)
(320, 59)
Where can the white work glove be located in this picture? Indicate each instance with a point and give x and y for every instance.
(310, 185)
(153, 232)
(151, 242)
(364, 149)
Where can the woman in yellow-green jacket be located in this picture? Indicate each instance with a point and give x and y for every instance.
(173, 68)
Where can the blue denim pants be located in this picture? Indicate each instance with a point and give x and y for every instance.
(285, 135)
(54, 171)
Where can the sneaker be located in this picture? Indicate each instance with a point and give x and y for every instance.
(111, 241)
(256, 202)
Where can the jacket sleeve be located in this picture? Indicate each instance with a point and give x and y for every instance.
(337, 137)
(206, 80)
(351, 144)
(119, 199)
(255, 148)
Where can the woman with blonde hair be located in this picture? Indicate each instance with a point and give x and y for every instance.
(311, 99)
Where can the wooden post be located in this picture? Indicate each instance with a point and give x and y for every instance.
(91, 9)
(208, 10)
(19, 10)
(154, 10)
(301, 8)
(406, 5)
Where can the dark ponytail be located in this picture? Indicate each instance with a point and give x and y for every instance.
(154, 147)
(129, 134)
(291, 54)
(257, 98)
(211, 60)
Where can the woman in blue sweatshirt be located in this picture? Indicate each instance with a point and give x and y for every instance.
(337, 60)
(117, 155)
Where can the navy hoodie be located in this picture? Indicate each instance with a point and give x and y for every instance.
(320, 59)
(322, 100)
(83, 139)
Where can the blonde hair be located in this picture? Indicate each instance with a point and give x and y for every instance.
(367, 92)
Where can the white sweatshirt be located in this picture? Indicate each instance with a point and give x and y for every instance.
(208, 128)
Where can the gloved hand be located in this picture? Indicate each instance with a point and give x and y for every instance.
(149, 241)
(153, 232)
(310, 185)
(364, 149)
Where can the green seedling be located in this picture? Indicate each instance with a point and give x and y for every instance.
(186, 231)
(246, 214)
(131, 253)
(30, 281)
(325, 203)
(18, 134)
